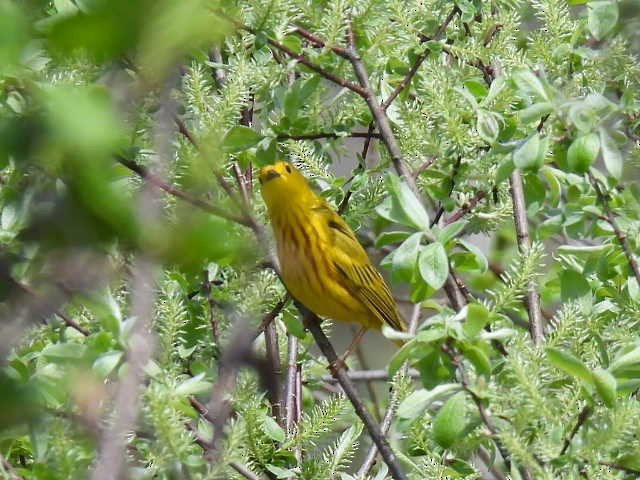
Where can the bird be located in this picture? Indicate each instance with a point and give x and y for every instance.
(322, 263)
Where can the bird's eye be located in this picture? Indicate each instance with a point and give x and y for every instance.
(288, 168)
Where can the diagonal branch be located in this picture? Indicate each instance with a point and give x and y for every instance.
(524, 243)
(418, 61)
(312, 322)
(154, 179)
(385, 425)
(314, 136)
(620, 235)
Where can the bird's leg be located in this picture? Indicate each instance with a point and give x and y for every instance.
(340, 361)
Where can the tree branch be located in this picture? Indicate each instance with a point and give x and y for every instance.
(13, 475)
(582, 417)
(245, 472)
(466, 208)
(385, 425)
(524, 243)
(312, 322)
(482, 410)
(143, 172)
(620, 235)
(419, 60)
(315, 136)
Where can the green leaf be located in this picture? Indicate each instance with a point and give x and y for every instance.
(625, 360)
(271, 428)
(449, 423)
(417, 402)
(294, 325)
(487, 126)
(602, 17)
(505, 169)
(534, 112)
(530, 153)
(569, 364)
(386, 238)
(477, 318)
(64, 351)
(106, 363)
(582, 152)
(480, 258)
(405, 257)
(405, 208)
(529, 85)
(240, 138)
(611, 155)
(479, 360)
(280, 472)
(605, 385)
(449, 232)
(193, 386)
(433, 264)
(573, 285)
(555, 190)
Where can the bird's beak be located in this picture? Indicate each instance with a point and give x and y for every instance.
(270, 175)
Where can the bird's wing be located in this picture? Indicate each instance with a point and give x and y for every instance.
(358, 275)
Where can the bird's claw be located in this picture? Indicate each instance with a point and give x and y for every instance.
(337, 364)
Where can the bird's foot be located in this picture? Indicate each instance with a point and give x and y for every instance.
(338, 364)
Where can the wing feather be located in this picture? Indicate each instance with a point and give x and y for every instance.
(358, 275)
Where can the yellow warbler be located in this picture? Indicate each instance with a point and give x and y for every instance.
(322, 263)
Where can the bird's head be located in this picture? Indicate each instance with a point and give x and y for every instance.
(282, 183)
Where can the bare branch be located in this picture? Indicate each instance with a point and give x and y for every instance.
(524, 242)
(8, 468)
(312, 322)
(419, 60)
(385, 425)
(380, 375)
(176, 192)
(315, 136)
(245, 472)
(582, 417)
(27, 289)
(620, 235)
(470, 205)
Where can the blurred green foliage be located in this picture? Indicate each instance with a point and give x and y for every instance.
(547, 88)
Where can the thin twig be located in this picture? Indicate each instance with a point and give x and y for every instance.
(176, 192)
(620, 235)
(466, 208)
(219, 74)
(237, 353)
(365, 150)
(419, 60)
(312, 322)
(292, 401)
(524, 243)
(362, 360)
(617, 466)
(582, 417)
(456, 360)
(385, 425)
(245, 472)
(13, 475)
(65, 318)
(381, 119)
(306, 62)
(314, 136)
(375, 375)
(213, 317)
(200, 408)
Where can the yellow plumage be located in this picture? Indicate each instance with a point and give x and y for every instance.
(322, 263)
